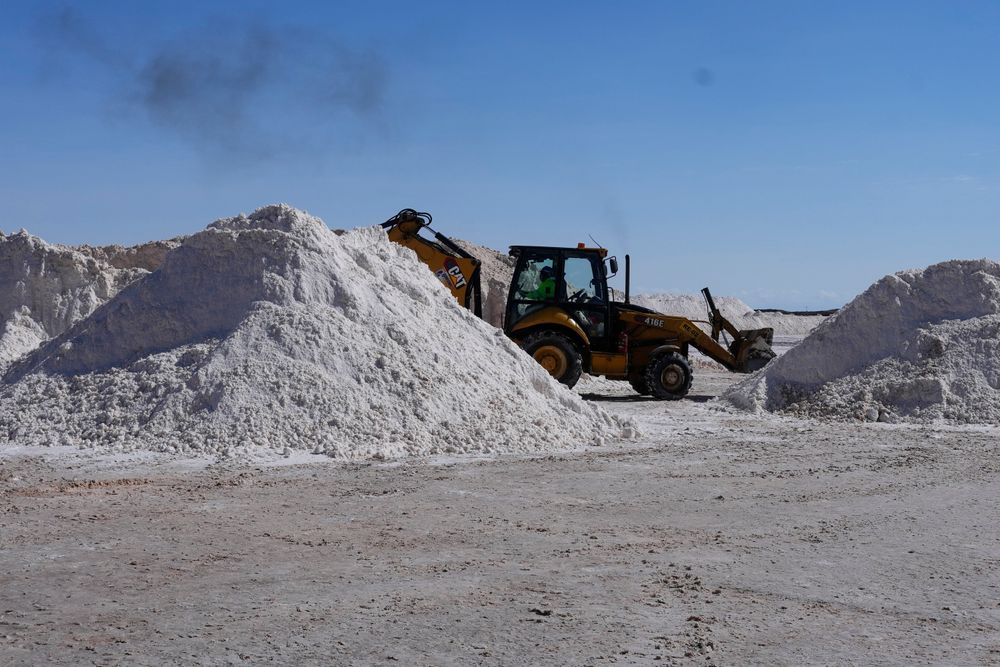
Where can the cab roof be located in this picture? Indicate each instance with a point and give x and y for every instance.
(579, 250)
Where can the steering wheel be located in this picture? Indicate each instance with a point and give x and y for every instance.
(576, 295)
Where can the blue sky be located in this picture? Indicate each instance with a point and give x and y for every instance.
(789, 153)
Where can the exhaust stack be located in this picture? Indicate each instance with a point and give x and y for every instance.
(628, 276)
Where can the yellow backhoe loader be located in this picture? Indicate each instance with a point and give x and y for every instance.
(559, 311)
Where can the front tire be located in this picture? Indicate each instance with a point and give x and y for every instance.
(668, 376)
(557, 354)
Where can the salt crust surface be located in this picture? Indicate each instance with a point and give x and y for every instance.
(917, 346)
(269, 333)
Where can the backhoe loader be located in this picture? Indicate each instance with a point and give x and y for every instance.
(559, 312)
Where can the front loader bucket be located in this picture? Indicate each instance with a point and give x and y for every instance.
(752, 349)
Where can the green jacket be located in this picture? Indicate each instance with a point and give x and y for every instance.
(546, 291)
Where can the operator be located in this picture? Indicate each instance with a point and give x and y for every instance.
(546, 290)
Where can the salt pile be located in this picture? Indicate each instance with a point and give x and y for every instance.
(147, 256)
(270, 333)
(915, 346)
(692, 306)
(496, 270)
(45, 288)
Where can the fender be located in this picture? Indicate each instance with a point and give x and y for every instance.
(664, 349)
(551, 317)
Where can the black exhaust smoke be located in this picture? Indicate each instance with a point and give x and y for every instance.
(231, 86)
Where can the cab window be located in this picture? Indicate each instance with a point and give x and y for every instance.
(537, 280)
(582, 281)
(535, 285)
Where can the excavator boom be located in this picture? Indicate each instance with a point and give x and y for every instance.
(455, 268)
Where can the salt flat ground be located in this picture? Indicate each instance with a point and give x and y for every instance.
(717, 539)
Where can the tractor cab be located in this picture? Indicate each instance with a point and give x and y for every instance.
(573, 280)
(558, 309)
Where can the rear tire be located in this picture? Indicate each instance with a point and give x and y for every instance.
(668, 376)
(557, 354)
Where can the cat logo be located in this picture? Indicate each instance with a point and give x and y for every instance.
(454, 273)
(442, 275)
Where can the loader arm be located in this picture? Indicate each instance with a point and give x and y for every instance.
(454, 267)
(749, 351)
(715, 318)
(751, 348)
(651, 328)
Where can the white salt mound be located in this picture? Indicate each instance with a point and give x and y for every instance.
(45, 288)
(148, 256)
(692, 306)
(915, 346)
(270, 333)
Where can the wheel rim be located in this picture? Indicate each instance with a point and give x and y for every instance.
(552, 359)
(672, 377)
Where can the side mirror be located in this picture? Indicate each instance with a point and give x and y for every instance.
(613, 264)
